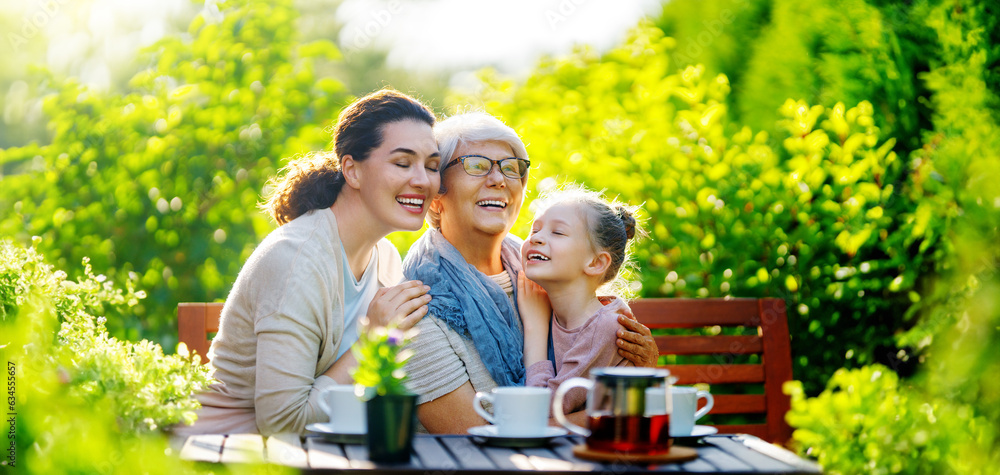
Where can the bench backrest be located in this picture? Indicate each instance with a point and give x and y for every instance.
(728, 360)
(195, 321)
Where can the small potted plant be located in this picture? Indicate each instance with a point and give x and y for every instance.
(381, 353)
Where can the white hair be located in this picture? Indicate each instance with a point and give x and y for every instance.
(471, 127)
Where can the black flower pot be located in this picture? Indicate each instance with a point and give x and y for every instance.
(391, 421)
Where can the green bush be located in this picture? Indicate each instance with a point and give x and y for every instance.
(947, 418)
(868, 421)
(160, 184)
(819, 51)
(927, 66)
(86, 401)
(141, 386)
(816, 215)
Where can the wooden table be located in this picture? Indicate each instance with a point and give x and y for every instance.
(450, 454)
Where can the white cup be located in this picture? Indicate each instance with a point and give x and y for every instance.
(658, 401)
(685, 411)
(346, 410)
(517, 411)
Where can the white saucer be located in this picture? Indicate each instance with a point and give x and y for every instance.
(329, 433)
(327, 428)
(699, 431)
(491, 431)
(489, 435)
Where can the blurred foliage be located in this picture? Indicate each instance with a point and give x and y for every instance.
(86, 402)
(94, 39)
(868, 421)
(160, 184)
(813, 215)
(62, 38)
(820, 51)
(958, 335)
(940, 61)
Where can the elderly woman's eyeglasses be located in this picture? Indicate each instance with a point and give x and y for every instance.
(478, 165)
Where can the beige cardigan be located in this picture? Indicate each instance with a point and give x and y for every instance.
(281, 329)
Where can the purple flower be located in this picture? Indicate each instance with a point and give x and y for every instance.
(395, 337)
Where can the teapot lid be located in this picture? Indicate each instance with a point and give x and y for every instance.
(631, 374)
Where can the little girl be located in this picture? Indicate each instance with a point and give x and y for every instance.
(578, 244)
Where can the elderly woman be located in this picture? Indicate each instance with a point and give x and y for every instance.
(472, 338)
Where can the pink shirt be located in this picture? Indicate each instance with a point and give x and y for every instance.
(591, 345)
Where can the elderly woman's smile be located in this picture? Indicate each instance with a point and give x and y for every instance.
(499, 204)
(486, 204)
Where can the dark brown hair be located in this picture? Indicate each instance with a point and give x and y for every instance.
(313, 181)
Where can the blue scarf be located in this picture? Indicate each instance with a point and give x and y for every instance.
(471, 303)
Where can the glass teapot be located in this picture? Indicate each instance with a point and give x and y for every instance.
(628, 409)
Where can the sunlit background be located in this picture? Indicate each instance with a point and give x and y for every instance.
(842, 155)
(438, 43)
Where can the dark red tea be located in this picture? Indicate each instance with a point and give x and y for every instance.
(630, 434)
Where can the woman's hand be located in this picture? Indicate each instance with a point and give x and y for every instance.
(405, 304)
(535, 309)
(635, 342)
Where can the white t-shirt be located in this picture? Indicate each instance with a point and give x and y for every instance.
(357, 296)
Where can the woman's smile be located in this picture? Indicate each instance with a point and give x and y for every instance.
(412, 203)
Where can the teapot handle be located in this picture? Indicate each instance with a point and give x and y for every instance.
(557, 403)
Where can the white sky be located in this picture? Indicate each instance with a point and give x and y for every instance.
(466, 34)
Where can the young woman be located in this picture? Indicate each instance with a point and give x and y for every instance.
(578, 244)
(291, 316)
(473, 339)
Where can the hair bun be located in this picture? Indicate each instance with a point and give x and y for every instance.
(627, 220)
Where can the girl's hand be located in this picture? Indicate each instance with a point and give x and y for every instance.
(533, 305)
(635, 342)
(405, 304)
(535, 309)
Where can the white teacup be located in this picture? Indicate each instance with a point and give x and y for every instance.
(517, 411)
(658, 401)
(346, 410)
(685, 411)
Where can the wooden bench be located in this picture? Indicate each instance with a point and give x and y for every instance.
(195, 321)
(728, 355)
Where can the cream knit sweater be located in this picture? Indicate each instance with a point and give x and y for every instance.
(280, 331)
